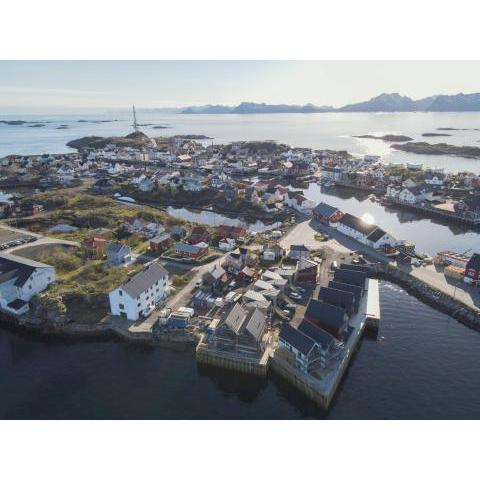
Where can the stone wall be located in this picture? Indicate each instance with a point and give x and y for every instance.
(428, 294)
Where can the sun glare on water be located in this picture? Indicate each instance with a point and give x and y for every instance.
(368, 218)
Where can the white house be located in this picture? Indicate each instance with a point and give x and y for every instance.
(21, 279)
(411, 195)
(226, 244)
(393, 191)
(432, 178)
(299, 203)
(139, 295)
(365, 233)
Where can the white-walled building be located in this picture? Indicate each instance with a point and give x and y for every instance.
(368, 234)
(139, 295)
(21, 279)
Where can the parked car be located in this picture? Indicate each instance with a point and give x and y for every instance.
(295, 295)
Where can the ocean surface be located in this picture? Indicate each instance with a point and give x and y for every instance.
(423, 365)
(317, 130)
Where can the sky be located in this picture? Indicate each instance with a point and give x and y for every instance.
(49, 86)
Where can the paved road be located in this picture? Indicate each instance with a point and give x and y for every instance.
(40, 240)
(182, 296)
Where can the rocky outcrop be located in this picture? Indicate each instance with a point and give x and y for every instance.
(49, 308)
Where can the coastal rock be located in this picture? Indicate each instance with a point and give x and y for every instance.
(425, 148)
(387, 138)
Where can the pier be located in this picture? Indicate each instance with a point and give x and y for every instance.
(455, 217)
(320, 385)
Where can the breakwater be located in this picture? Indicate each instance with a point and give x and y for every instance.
(453, 217)
(429, 295)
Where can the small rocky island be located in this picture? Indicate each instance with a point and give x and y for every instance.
(438, 149)
(386, 138)
(135, 139)
(433, 134)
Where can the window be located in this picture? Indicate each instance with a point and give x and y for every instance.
(121, 306)
(120, 293)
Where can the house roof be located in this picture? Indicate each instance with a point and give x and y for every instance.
(358, 268)
(256, 324)
(354, 289)
(324, 210)
(297, 339)
(143, 280)
(114, 247)
(216, 272)
(329, 317)
(18, 268)
(305, 264)
(474, 262)
(376, 235)
(17, 304)
(236, 318)
(187, 248)
(357, 224)
(350, 276)
(340, 298)
(160, 238)
(320, 336)
(299, 248)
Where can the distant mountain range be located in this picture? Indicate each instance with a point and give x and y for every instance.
(386, 102)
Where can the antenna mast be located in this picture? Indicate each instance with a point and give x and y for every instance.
(135, 125)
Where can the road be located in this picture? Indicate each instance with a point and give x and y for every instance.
(304, 233)
(182, 296)
(40, 240)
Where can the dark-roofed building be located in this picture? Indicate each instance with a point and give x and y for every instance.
(297, 252)
(330, 318)
(306, 271)
(240, 331)
(350, 276)
(302, 349)
(139, 295)
(327, 214)
(340, 298)
(326, 343)
(21, 279)
(199, 235)
(357, 268)
(353, 289)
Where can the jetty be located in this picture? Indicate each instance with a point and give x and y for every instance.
(320, 384)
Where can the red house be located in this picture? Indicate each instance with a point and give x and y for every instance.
(199, 235)
(472, 270)
(160, 243)
(95, 247)
(231, 232)
(326, 214)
